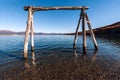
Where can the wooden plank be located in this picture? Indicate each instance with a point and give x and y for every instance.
(39, 8)
(91, 31)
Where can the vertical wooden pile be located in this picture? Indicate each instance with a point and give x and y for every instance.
(84, 18)
(29, 30)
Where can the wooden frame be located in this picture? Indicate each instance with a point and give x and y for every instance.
(83, 17)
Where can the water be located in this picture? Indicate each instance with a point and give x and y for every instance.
(11, 47)
(57, 48)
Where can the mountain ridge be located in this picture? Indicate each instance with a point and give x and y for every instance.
(9, 32)
(112, 30)
(108, 30)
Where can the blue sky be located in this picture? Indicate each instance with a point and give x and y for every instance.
(100, 12)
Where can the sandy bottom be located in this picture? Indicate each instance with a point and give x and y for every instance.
(75, 67)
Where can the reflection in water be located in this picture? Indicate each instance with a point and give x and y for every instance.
(33, 58)
(30, 69)
(94, 56)
(26, 62)
(75, 55)
(84, 55)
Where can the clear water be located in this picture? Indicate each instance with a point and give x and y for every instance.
(11, 48)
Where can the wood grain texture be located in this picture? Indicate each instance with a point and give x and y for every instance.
(39, 8)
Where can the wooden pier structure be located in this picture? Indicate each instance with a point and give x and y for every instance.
(83, 17)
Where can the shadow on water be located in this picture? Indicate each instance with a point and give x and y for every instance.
(30, 63)
(26, 61)
(115, 40)
(60, 69)
(74, 67)
(84, 55)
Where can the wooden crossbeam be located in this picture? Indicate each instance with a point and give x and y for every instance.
(39, 8)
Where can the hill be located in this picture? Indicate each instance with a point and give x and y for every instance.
(112, 30)
(8, 32)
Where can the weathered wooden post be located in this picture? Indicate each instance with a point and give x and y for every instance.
(27, 32)
(83, 17)
(32, 33)
(32, 40)
(83, 28)
(76, 33)
(91, 31)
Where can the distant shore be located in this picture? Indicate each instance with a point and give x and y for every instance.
(112, 30)
(8, 32)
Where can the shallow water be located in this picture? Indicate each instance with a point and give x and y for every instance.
(57, 49)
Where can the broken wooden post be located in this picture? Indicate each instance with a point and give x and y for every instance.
(83, 28)
(76, 33)
(91, 31)
(27, 33)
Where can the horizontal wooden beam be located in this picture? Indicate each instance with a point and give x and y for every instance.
(55, 8)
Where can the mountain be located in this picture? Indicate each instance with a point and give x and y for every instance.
(8, 32)
(112, 30)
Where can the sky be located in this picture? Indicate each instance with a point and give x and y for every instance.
(100, 12)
